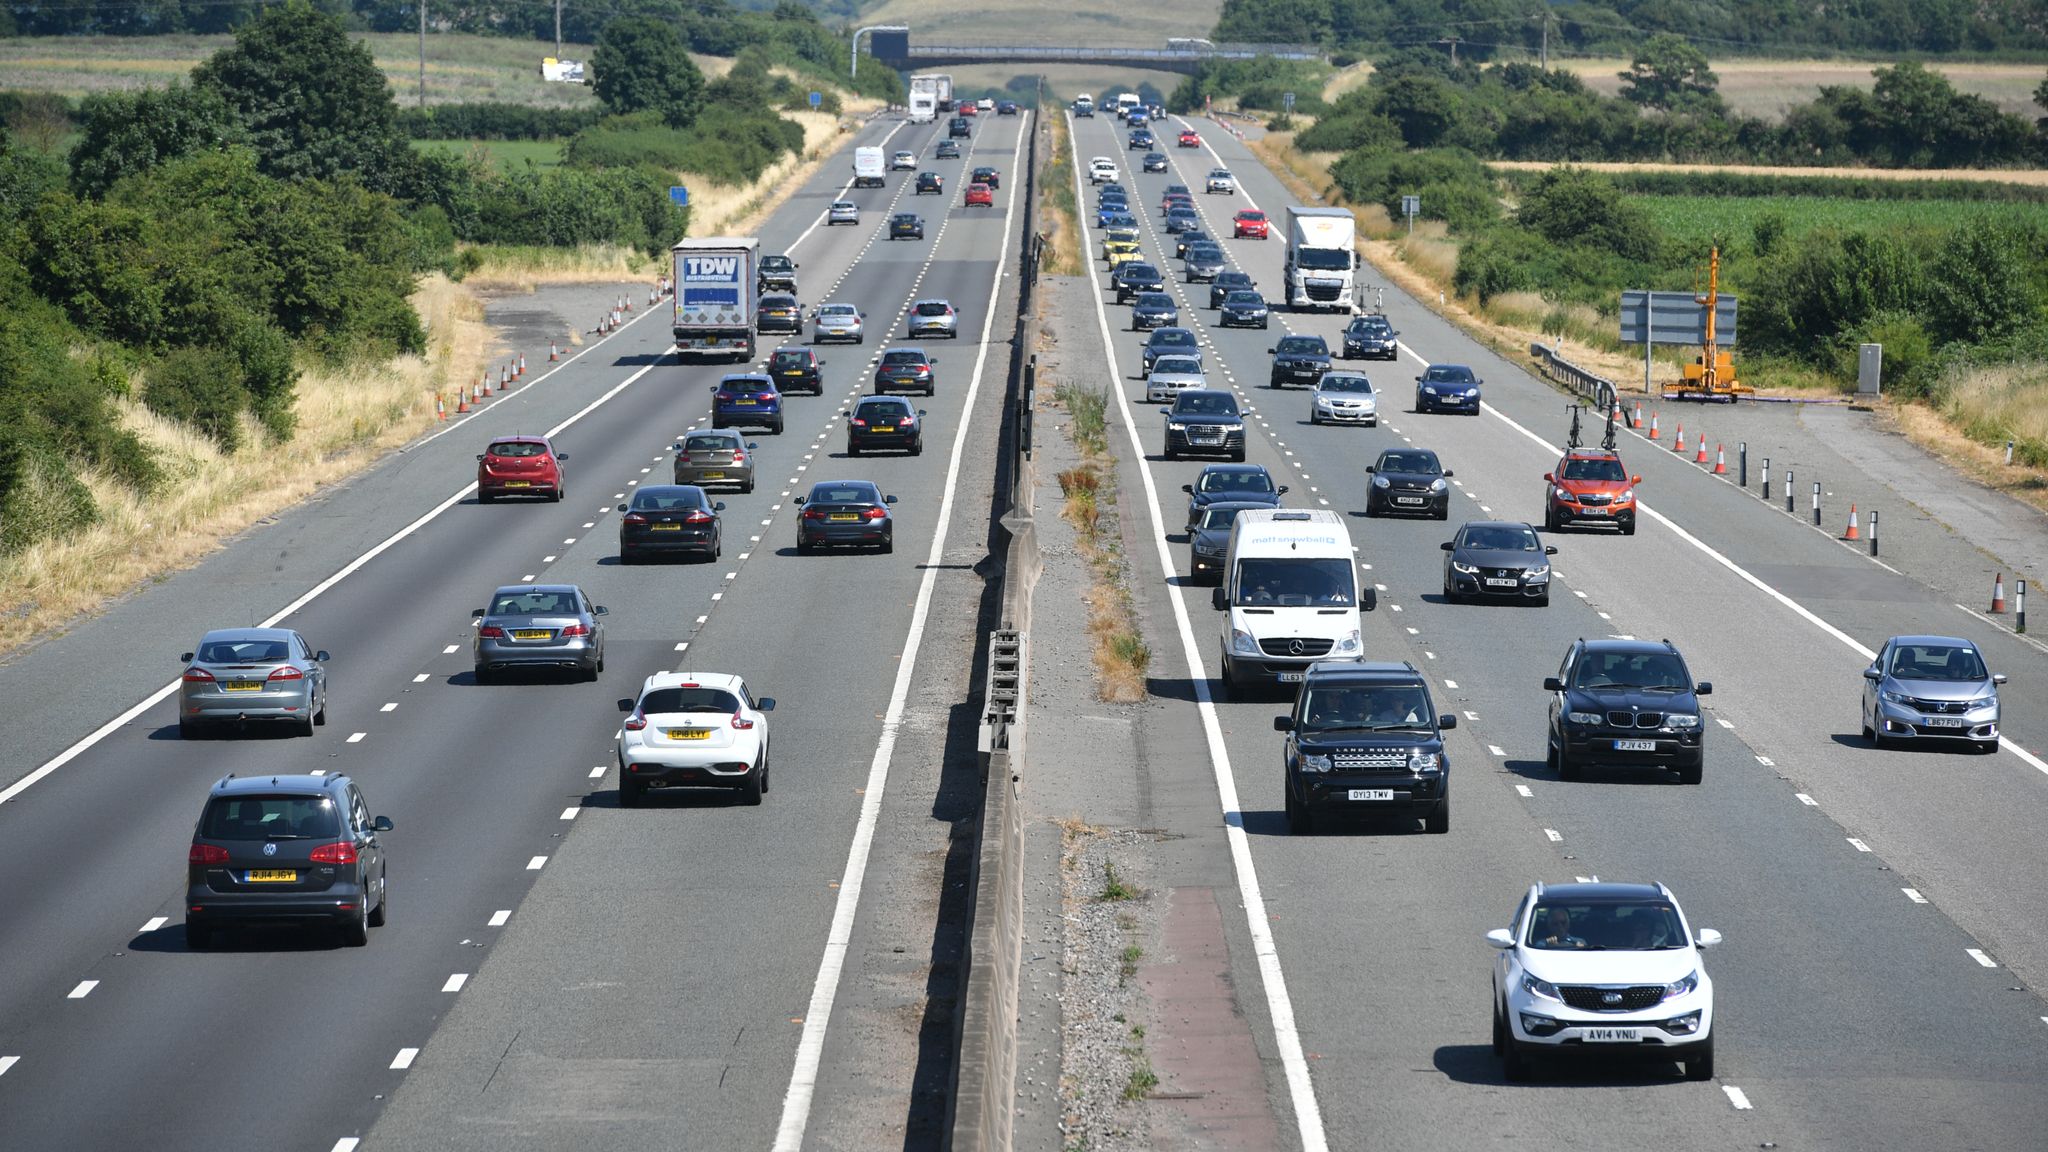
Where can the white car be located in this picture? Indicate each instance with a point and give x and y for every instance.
(1222, 182)
(903, 161)
(1344, 398)
(1102, 170)
(1602, 970)
(985, 104)
(1171, 374)
(842, 212)
(694, 730)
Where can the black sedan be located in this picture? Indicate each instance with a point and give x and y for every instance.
(1408, 482)
(947, 150)
(851, 512)
(1154, 310)
(1298, 360)
(906, 226)
(1210, 539)
(1244, 310)
(779, 312)
(886, 422)
(1204, 420)
(1228, 483)
(929, 182)
(906, 370)
(1155, 162)
(1497, 558)
(1203, 261)
(1188, 238)
(798, 369)
(989, 176)
(1135, 277)
(1227, 282)
(666, 519)
(1370, 337)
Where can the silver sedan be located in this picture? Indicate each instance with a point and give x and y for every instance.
(539, 626)
(843, 212)
(838, 322)
(243, 674)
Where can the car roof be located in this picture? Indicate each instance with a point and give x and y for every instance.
(1614, 645)
(724, 680)
(777, 298)
(232, 785)
(231, 634)
(517, 589)
(1495, 524)
(1236, 505)
(908, 348)
(1599, 890)
(1389, 670)
(1928, 641)
(1235, 468)
(1158, 332)
(519, 438)
(746, 378)
(1591, 454)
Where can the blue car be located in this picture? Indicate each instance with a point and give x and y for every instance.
(746, 400)
(1447, 388)
(1109, 211)
(1120, 220)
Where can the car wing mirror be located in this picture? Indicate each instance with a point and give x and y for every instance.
(1448, 473)
(1703, 688)
(751, 446)
(1872, 674)
(1501, 938)
(1283, 723)
(1447, 721)
(765, 704)
(920, 411)
(561, 455)
(1371, 468)
(888, 499)
(619, 508)
(1552, 684)
(718, 506)
(1166, 411)
(1283, 489)
(477, 613)
(381, 824)
(1219, 600)
(799, 501)
(479, 455)
(321, 656)
(1998, 677)
(1550, 477)
(1446, 545)
(1369, 599)
(1189, 488)
(1635, 479)
(1707, 939)
(714, 387)
(1548, 549)
(185, 659)
(625, 705)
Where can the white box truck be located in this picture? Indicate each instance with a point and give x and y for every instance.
(924, 99)
(870, 168)
(944, 89)
(715, 296)
(1322, 259)
(1290, 595)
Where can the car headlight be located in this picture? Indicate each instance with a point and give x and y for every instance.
(1243, 642)
(1428, 390)
(1349, 642)
(1467, 569)
(1985, 701)
(1892, 697)
(1369, 404)
(1176, 427)
(1425, 763)
(1682, 985)
(1583, 717)
(1627, 494)
(1682, 721)
(1543, 989)
(1313, 763)
(1438, 484)
(1539, 573)
(1380, 482)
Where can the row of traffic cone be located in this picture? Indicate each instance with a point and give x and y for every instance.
(473, 397)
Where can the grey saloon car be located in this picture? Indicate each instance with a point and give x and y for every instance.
(843, 212)
(252, 675)
(837, 321)
(1497, 558)
(539, 626)
(715, 457)
(1930, 688)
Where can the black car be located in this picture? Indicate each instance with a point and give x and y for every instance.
(1154, 162)
(1365, 740)
(1153, 310)
(957, 127)
(798, 370)
(776, 274)
(908, 370)
(1227, 282)
(845, 512)
(1625, 703)
(1370, 337)
(285, 850)
(1006, 108)
(989, 176)
(1497, 558)
(1243, 309)
(1408, 482)
(947, 150)
(664, 518)
(929, 182)
(1186, 239)
(778, 312)
(1142, 138)
(1169, 342)
(1204, 420)
(1135, 277)
(1203, 262)
(906, 226)
(1298, 360)
(887, 422)
(1224, 483)
(1179, 220)
(1209, 540)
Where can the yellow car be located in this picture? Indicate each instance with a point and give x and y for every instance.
(1118, 236)
(1118, 255)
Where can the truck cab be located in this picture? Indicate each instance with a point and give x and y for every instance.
(1321, 260)
(1290, 596)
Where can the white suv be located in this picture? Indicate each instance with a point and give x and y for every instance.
(695, 730)
(1597, 969)
(1101, 170)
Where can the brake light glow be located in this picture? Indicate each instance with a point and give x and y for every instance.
(341, 852)
(207, 855)
(814, 513)
(635, 518)
(491, 632)
(876, 513)
(636, 723)
(198, 676)
(569, 630)
(859, 423)
(287, 673)
(738, 456)
(740, 722)
(699, 516)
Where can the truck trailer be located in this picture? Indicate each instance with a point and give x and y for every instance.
(1322, 259)
(715, 296)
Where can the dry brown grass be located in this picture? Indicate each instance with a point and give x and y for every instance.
(1346, 79)
(1982, 462)
(2030, 176)
(522, 269)
(1057, 207)
(1121, 656)
(1771, 87)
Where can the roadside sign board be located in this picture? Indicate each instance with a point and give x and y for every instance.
(817, 98)
(1287, 103)
(1675, 318)
(680, 195)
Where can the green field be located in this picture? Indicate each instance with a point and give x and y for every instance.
(505, 154)
(1699, 219)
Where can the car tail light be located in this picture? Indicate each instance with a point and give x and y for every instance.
(906, 421)
(859, 423)
(287, 673)
(740, 722)
(198, 676)
(724, 397)
(569, 630)
(699, 516)
(207, 855)
(635, 518)
(876, 513)
(738, 456)
(340, 852)
(636, 723)
(814, 513)
(922, 370)
(491, 632)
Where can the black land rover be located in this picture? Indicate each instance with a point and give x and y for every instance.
(1365, 739)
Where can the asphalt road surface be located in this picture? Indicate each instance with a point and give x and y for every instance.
(1886, 913)
(556, 970)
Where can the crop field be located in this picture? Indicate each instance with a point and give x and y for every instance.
(1768, 88)
(1699, 219)
(505, 154)
(1025, 22)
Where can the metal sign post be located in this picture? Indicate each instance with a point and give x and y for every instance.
(1287, 103)
(1411, 207)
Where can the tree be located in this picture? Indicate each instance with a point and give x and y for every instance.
(1572, 206)
(315, 105)
(1979, 282)
(123, 133)
(642, 64)
(1669, 73)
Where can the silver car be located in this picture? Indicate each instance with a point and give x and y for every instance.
(1930, 688)
(837, 322)
(539, 626)
(715, 458)
(1221, 182)
(842, 212)
(1170, 374)
(934, 318)
(904, 161)
(1344, 398)
(243, 674)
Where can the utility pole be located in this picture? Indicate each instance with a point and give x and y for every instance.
(423, 53)
(1453, 42)
(1546, 33)
(558, 29)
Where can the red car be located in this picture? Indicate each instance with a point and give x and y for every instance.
(1190, 139)
(1248, 222)
(1590, 486)
(967, 108)
(520, 466)
(980, 194)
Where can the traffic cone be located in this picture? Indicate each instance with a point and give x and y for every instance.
(504, 378)
(441, 413)
(1679, 445)
(554, 353)
(1638, 421)
(1653, 425)
(1998, 595)
(522, 364)
(1720, 461)
(1702, 457)
(1852, 533)
(461, 403)
(627, 300)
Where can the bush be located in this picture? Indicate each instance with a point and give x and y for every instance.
(1908, 352)
(495, 121)
(40, 498)
(728, 145)
(1346, 132)
(203, 388)
(1455, 187)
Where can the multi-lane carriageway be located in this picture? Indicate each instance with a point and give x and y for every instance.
(1886, 914)
(556, 971)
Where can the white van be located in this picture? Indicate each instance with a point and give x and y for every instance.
(1290, 595)
(869, 168)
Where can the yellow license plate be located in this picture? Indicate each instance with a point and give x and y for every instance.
(665, 527)
(518, 483)
(792, 371)
(273, 876)
(689, 733)
(842, 516)
(746, 403)
(713, 475)
(241, 686)
(531, 634)
(883, 428)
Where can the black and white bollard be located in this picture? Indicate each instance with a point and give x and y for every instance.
(1742, 462)
(1789, 495)
(1816, 503)
(2019, 620)
(1873, 532)
(1767, 477)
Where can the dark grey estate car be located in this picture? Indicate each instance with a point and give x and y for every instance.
(285, 849)
(708, 456)
(1204, 420)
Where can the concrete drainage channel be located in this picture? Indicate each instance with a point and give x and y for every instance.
(984, 1090)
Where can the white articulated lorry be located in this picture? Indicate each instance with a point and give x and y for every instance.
(1322, 259)
(870, 168)
(715, 296)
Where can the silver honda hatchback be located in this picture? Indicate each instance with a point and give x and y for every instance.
(1931, 688)
(539, 626)
(240, 675)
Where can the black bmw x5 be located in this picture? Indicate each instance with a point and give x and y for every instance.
(1625, 703)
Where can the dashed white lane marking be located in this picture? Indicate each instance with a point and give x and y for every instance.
(1978, 955)
(702, 619)
(319, 772)
(420, 679)
(570, 540)
(454, 983)
(590, 524)
(346, 1144)
(1576, 592)
(7, 1062)
(389, 708)
(1522, 790)
(598, 771)
(1450, 683)
(1803, 798)
(527, 579)
(718, 595)
(451, 649)
(570, 812)
(547, 559)
(682, 645)
(404, 1059)
(356, 737)
(1395, 607)
(1723, 723)
(534, 865)
(1496, 749)
(1736, 1097)
(499, 918)
(1859, 845)
(1415, 631)
(1471, 715)
(1605, 616)
(1429, 655)
(1914, 895)
(83, 990)
(1553, 834)
(1766, 761)
(154, 923)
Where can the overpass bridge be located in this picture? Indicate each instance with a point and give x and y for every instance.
(1178, 56)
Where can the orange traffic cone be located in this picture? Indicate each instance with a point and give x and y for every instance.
(1653, 425)
(554, 353)
(461, 402)
(1679, 445)
(504, 378)
(441, 413)
(627, 301)
(1702, 457)
(522, 364)
(1998, 594)
(1638, 421)
(1852, 533)
(1720, 461)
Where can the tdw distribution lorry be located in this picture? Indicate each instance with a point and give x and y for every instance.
(715, 296)
(924, 99)
(870, 168)
(1321, 259)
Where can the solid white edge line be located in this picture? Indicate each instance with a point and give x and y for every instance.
(1308, 1115)
(810, 1048)
(347, 570)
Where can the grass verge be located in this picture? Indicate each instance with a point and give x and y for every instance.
(1058, 213)
(1122, 657)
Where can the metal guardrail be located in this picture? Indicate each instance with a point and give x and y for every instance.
(1590, 385)
(921, 52)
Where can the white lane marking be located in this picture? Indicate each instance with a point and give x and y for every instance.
(7, 1062)
(1471, 715)
(682, 645)
(547, 559)
(1395, 607)
(1553, 834)
(1914, 895)
(83, 990)
(1766, 761)
(420, 679)
(319, 771)
(1450, 683)
(1859, 845)
(389, 708)
(454, 983)
(1605, 616)
(1522, 790)
(154, 923)
(1496, 749)
(810, 1048)
(1736, 1097)
(305, 598)
(1723, 723)
(451, 649)
(498, 918)
(534, 865)
(356, 737)
(1978, 955)
(1580, 594)
(598, 771)
(1806, 800)
(404, 1059)
(570, 812)
(1430, 655)
(718, 595)
(345, 1144)
(528, 578)
(1308, 1114)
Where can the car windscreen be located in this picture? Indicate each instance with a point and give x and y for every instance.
(1368, 326)
(1154, 300)
(1322, 259)
(1234, 278)
(934, 308)
(271, 818)
(1936, 662)
(655, 500)
(845, 494)
(1294, 582)
(1609, 470)
(1234, 481)
(1252, 217)
(1610, 670)
(1176, 365)
(710, 443)
(893, 359)
(1418, 462)
(661, 701)
(244, 652)
(778, 302)
(1301, 346)
(1209, 405)
(1172, 338)
(1219, 518)
(1499, 539)
(1204, 252)
(1140, 272)
(1602, 926)
(1346, 384)
(1244, 299)
(776, 264)
(515, 450)
(1449, 374)
(1365, 707)
(903, 218)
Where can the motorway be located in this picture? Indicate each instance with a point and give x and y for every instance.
(1886, 914)
(557, 970)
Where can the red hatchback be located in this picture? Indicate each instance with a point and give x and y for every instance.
(1190, 139)
(1248, 222)
(520, 466)
(980, 194)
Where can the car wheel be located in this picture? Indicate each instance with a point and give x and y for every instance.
(1514, 1065)
(1438, 821)
(1987, 746)
(1444, 513)
(483, 674)
(748, 486)
(1700, 1067)
(483, 497)
(751, 787)
(776, 429)
(355, 932)
(917, 446)
(631, 791)
(1694, 774)
(378, 917)
(555, 497)
(888, 544)
(1300, 821)
(1237, 456)
(1628, 528)
(852, 449)
(1450, 593)
(931, 389)
(1372, 508)
(1314, 419)
(198, 937)
(1500, 1033)
(802, 545)
(320, 717)
(304, 725)
(1868, 733)
(628, 558)
(717, 550)
(1543, 601)
(1567, 768)
(1262, 324)
(189, 730)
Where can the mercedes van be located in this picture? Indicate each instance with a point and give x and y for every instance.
(1290, 595)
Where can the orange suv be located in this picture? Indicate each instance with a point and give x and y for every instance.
(1590, 487)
